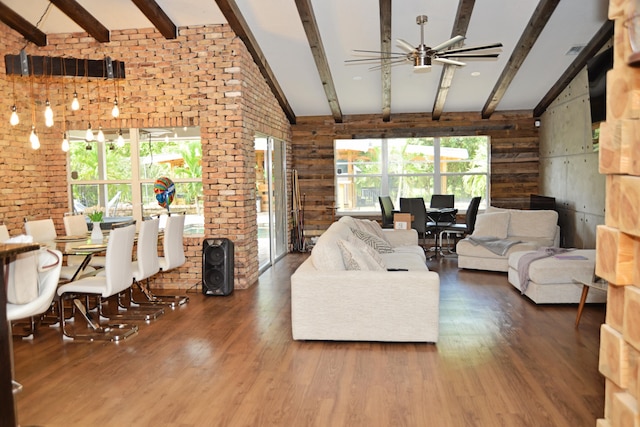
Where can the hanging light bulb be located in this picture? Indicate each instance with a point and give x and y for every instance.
(48, 114)
(75, 104)
(115, 112)
(14, 120)
(120, 140)
(100, 134)
(89, 135)
(166, 138)
(33, 138)
(65, 142)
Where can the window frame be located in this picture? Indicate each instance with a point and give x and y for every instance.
(136, 181)
(385, 176)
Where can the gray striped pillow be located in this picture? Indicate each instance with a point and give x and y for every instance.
(375, 242)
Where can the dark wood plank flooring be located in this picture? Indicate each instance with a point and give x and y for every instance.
(230, 361)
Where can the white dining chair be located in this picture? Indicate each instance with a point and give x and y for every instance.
(76, 225)
(116, 278)
(4, 233)
(44, 231)
(173, 257)
(48, 264)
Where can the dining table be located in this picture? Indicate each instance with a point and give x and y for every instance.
(8, 251)
(437, 220)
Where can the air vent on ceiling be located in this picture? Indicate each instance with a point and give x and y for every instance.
(574, 50)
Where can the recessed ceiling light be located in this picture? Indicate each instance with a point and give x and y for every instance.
(475, 73)
(357, 77)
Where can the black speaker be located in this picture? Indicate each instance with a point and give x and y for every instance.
(217, 267)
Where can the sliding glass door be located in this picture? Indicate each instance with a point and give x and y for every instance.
(271, 200)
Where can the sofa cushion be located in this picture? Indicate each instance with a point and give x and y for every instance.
(495, 224)
(375, 242)
(540, 224)
(326, 254)
(406, 261)
(355, 259)
(363, 247)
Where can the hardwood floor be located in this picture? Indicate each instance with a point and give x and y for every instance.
(230, 361)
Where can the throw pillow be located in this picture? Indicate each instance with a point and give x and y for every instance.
(375, 242)
(355, 259)
(371, 227)
(492, 225)
(372, 253)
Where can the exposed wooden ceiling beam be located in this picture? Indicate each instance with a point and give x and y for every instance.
(385, 48)
(534, 27)
(236, 21)
(83, 18)
(460, 26)
(21, 25)
(596, 43)
(61, 66)
(305, 10)
(158, 18)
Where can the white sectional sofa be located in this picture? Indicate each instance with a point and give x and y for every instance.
(332, 301)
(506, 231)
(551, 279)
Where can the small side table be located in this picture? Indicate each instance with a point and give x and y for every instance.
(586, 285)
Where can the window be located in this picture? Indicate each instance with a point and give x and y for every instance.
(120, 175)
(409, 167)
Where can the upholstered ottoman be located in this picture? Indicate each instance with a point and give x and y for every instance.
(551, 278)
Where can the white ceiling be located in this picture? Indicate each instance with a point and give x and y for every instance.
(354, 24)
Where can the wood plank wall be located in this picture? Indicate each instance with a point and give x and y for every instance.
(514, 153)
(618, 241)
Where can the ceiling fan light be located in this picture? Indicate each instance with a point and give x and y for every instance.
(421, 62)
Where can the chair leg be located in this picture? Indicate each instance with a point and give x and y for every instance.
(111, 309)
(151, 299)
(96, 331)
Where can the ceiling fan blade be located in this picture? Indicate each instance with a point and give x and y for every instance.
(405, 45)
(379, 67)
(372, 59)
(472, 48)
(448, 43)
(380, 52)
(469, 55)
(449, 61)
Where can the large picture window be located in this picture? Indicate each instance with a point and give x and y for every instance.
(409, 167)
(119, 173)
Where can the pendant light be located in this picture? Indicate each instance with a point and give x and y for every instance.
(65, 138)
(48, 111)
(14, 119)
(100, 137)
(75, 104)
(33, 136)
(89, 134)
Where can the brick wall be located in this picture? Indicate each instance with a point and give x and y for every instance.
(205, 77)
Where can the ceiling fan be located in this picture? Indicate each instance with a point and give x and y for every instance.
(422, 56)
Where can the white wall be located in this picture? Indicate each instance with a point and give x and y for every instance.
(569, 165)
